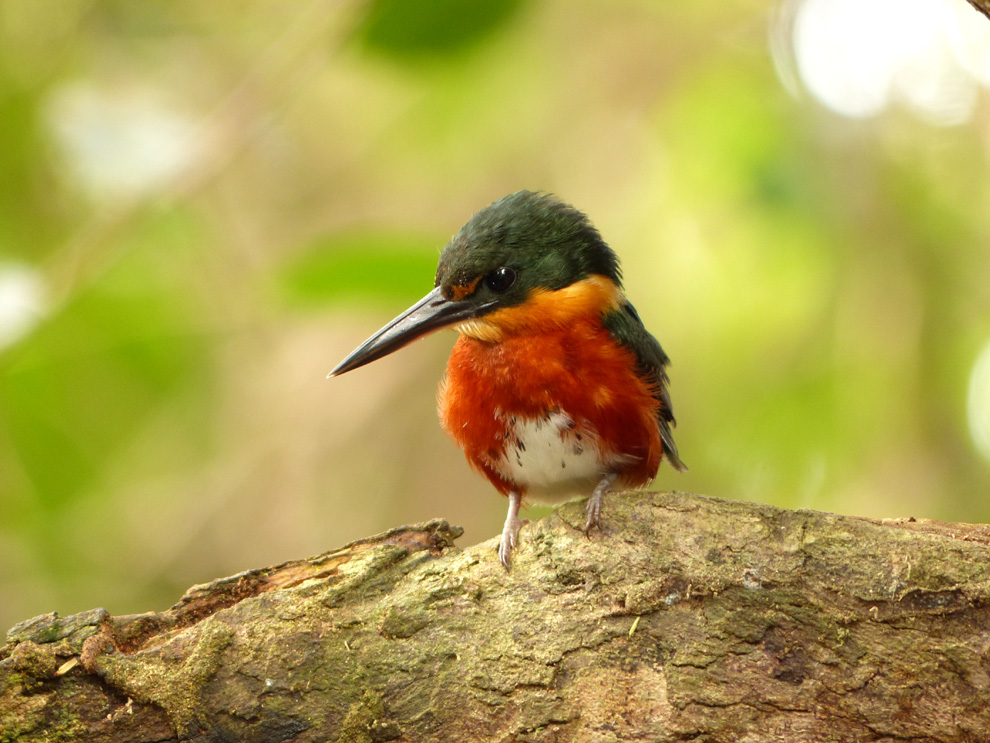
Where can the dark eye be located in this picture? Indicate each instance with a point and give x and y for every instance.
(500, 279)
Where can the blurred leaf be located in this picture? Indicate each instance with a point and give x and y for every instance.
(26, 198)
(416, 28)
(80, 386)
(367, 264)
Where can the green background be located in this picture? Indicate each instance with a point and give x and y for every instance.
(261, 186)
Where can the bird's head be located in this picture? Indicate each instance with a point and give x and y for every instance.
(527, 258)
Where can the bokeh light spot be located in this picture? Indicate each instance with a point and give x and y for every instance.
(22, 301)
(120, 143)
(859, 57)
(978, 403)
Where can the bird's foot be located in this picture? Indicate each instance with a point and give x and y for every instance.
(510, 532)
(594, 507)
(510, 537)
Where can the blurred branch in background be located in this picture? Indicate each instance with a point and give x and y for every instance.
(128, 145)
(205, 206)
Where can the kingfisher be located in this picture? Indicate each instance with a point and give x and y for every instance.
(554, 388)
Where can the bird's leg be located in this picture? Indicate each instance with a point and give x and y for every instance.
(510, 532)
(594, 508)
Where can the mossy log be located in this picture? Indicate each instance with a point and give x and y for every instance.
(686, 618)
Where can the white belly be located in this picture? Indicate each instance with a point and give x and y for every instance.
(553, 459)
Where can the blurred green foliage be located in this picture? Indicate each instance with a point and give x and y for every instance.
(408, 29)
(206, 206)
(383, 267)
(79, 386)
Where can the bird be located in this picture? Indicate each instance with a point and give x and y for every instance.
(554, 388)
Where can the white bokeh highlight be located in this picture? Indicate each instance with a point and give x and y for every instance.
(860, 57)
(978, 403)
(120, 143)
(23, 301)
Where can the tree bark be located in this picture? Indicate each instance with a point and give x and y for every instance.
(686, 618)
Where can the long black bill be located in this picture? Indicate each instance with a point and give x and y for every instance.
(430, 313)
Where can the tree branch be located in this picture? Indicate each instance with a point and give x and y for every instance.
(981, 5)
(687, 618)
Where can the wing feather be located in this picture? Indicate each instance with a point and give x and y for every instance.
(626, 327)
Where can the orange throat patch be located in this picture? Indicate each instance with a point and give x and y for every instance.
(543, 400)
(546, 309)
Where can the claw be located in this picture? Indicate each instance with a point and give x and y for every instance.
(594, 508)
(510, 532)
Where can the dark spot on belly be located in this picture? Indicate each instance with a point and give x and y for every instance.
(563, 465)
(520, 445)
(578, 450)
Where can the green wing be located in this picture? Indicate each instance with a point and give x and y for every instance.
(626, 327)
